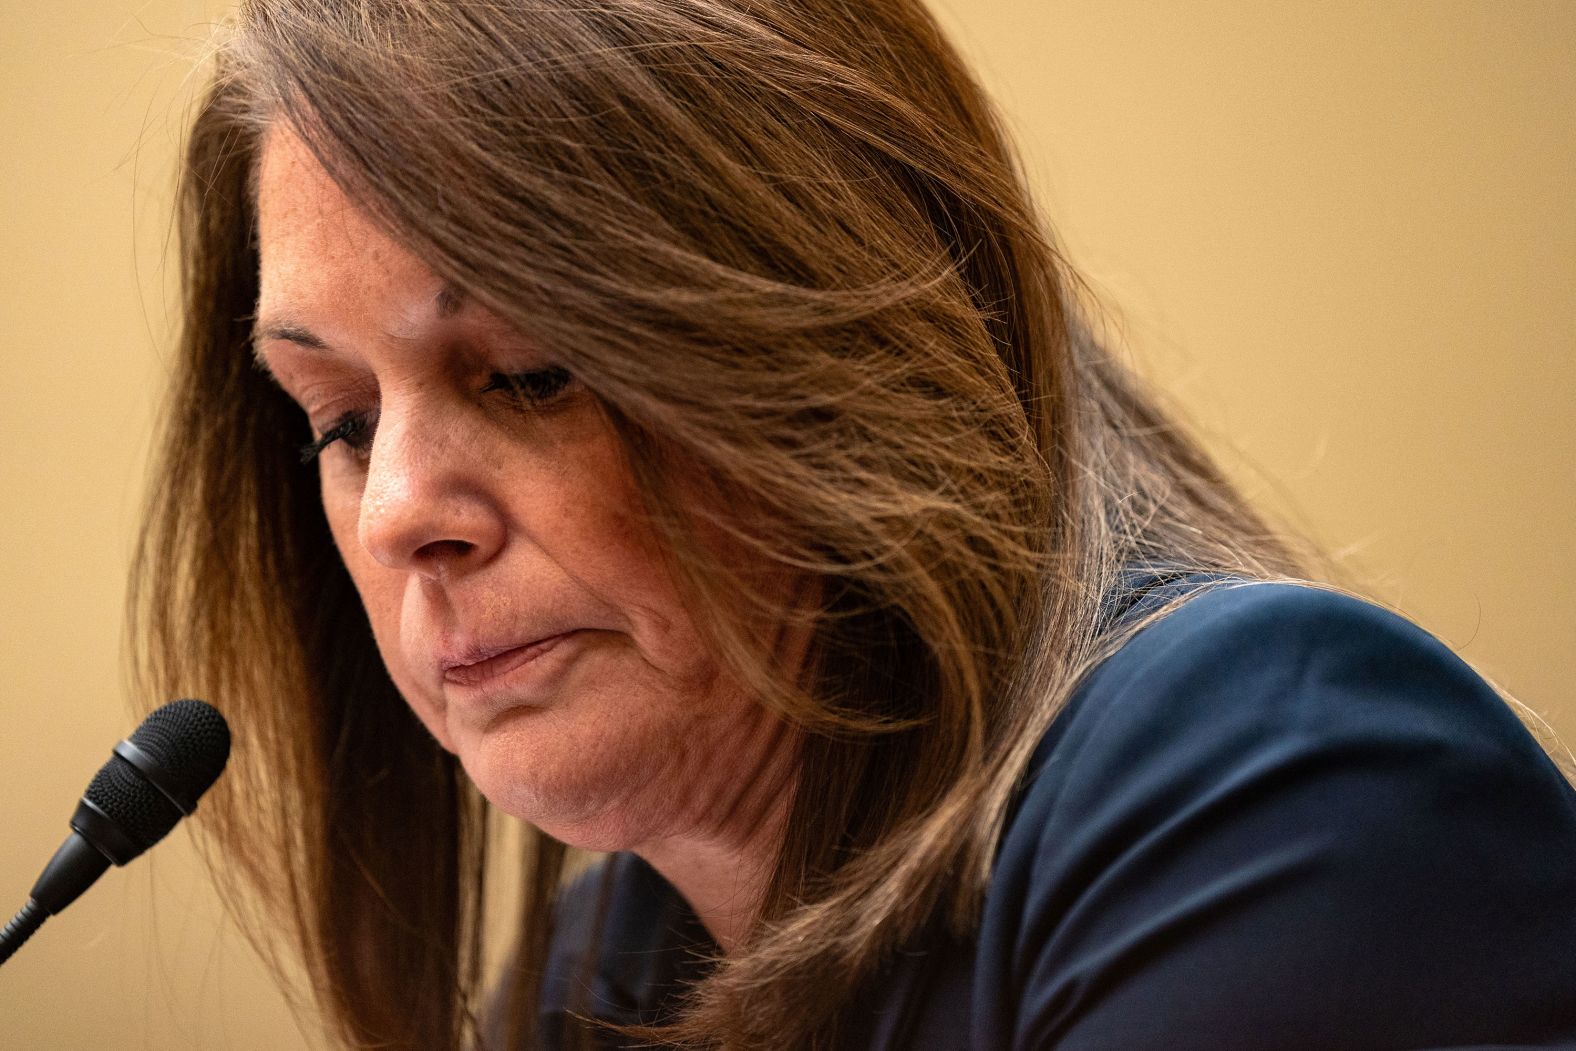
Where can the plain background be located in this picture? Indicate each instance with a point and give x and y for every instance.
(1341, 234)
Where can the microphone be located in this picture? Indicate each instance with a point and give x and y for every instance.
(152, 779)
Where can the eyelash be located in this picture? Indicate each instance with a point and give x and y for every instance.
(349, 429)
(529, 390)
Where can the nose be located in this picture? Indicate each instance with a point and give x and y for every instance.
(425, 506)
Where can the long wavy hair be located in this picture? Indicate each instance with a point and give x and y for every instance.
(789, 248)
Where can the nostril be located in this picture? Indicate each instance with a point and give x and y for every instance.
(444, 550)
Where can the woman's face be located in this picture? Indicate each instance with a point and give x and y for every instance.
(485, 513)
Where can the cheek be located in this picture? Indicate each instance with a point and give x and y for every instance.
(602, 537)
(382, 592)
(341, 505)
(579, 507)
(343, 509)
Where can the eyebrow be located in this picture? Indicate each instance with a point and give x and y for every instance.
(288, 331)
(449, 301)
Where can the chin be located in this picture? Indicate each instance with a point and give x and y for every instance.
(575, 787)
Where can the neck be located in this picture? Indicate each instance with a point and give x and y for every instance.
(724, 865)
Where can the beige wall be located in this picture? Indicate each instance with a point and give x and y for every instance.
(1343, 235)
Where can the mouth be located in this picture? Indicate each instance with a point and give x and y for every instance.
(481, 667)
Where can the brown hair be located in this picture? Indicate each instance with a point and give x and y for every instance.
(787, 245)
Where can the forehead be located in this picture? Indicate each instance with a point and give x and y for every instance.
(312, 239)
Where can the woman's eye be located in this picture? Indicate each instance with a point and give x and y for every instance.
(534, 389)
(353, 428)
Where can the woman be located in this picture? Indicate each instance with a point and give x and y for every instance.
(668, 423)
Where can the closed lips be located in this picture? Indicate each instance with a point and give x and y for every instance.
(479, 671)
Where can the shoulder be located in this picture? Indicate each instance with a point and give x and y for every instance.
(1273, 631)
(1265, 817)
(1250, 665)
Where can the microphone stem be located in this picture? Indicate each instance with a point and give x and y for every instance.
(21, 928)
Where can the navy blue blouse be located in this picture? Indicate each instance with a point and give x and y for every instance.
(1276, 819)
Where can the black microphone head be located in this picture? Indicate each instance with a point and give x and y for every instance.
(189, 739)
(155, 777)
